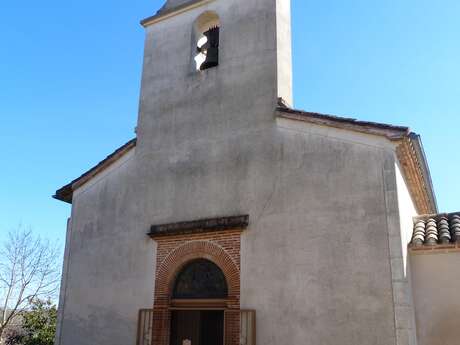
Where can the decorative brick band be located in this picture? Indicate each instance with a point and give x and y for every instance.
(173, 253)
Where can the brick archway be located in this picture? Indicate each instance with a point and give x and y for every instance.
(223, 249)
(179, 257)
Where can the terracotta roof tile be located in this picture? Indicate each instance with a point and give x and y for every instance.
(435, 230)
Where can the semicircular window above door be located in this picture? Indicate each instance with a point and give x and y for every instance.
(200, 279)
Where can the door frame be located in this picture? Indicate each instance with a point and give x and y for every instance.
(198, 304)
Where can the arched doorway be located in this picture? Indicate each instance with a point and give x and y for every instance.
(198, 300)
(174, 254)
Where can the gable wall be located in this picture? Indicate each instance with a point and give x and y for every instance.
(315, 261)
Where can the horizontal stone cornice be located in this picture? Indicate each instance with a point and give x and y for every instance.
(199, 226)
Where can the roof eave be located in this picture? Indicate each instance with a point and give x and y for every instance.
(393, 133)
(420, 152)
(65, 193)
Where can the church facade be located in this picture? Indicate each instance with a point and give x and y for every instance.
(234, 219)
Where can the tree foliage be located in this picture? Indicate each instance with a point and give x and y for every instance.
(39, 324)
(28, 271)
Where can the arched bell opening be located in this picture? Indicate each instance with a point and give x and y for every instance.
(206, 37)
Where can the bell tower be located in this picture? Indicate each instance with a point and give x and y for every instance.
(212, 68)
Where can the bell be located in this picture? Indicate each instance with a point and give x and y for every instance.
(211, 48)
(212, 58)
(213, 37)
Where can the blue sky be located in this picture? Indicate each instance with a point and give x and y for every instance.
(70, 75)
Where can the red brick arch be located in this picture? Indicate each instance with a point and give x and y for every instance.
(173, 253)
(179, 257)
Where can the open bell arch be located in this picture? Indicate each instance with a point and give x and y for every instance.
(206, 40)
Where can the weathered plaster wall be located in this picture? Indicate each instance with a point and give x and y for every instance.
(110, 266)
(197, 134)
(315, 260)
(437, 306)
(63, 287)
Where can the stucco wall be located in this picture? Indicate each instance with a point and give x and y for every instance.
(315, 259)
(110, 266)
(436, 286)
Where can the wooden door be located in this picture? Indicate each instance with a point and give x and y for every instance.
(205, 327)
(185, 325)
(212, 328)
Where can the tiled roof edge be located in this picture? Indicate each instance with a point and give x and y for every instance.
(423, 162)
(436, 231)
(436, 216)
(415, 170)
(389, 131)
(66, 193)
